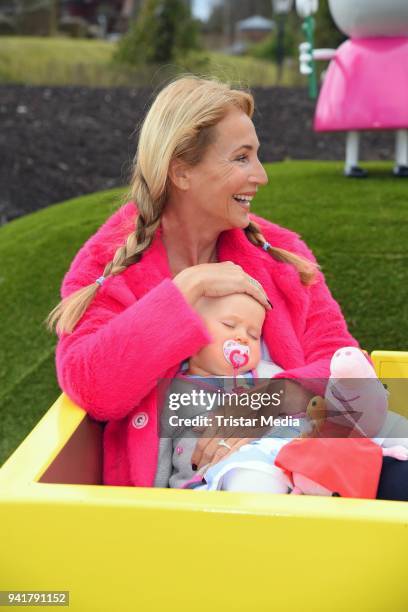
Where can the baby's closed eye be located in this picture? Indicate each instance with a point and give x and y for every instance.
(254, 336)
(230, 324)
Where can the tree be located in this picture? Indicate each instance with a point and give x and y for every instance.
(163, 31)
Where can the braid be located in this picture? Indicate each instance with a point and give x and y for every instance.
(70, 310)
(253, 233)
(136, 243)
(307, 269)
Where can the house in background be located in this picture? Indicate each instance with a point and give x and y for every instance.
(114, 15)
(249, 31)
(235, 24)
(254, 29)
(98, 17)
(93, 18)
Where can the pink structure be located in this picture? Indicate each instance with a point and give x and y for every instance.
(372, 98)
(366, 85)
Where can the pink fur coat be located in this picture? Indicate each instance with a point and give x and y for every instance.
(139, 328)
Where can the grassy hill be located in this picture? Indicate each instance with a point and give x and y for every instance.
(67, 61)
(357, 229)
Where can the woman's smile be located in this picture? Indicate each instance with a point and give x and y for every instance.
(244, 200)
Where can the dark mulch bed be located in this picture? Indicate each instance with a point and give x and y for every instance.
(57, 143)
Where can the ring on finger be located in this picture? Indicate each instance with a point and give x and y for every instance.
(224, 444)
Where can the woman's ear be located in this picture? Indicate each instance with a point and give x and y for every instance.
(179, 174)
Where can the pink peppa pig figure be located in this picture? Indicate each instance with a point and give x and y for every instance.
(355, 391)
(344, 466)
(366, 85)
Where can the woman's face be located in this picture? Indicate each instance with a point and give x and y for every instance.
(223, 184)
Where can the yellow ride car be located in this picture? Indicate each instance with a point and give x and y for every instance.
(119, 549)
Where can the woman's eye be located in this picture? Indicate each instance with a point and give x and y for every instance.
(242, 158)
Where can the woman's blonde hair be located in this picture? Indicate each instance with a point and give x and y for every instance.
(180, 124)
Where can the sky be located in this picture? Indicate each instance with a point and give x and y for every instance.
(202, 8)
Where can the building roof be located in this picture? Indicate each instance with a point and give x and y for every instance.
(256, 22)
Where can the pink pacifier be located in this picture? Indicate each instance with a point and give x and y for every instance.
(235, 353)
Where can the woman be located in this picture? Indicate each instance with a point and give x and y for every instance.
(128, 318)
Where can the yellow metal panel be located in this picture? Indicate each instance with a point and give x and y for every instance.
(42, 444)
(124, 548)
(391, 364)
(392, 368)
(182, 550)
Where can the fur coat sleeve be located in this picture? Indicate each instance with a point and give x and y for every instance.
(124, 343)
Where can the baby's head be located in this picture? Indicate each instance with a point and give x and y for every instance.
(236, 317)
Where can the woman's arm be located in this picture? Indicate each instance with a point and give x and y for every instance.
(115, 356)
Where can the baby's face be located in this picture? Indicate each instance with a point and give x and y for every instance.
(233, 317)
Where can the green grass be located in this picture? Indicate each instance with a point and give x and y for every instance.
(35, 252)
(67, 61)
(357, 229)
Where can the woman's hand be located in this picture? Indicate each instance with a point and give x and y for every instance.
(217, 280)
(227, 433)
(218, 442)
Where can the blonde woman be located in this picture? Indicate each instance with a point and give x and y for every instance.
(128, 317)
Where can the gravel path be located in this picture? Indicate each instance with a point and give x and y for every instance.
(61, 142)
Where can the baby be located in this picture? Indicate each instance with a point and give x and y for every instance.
(233, 358)
(235, 324)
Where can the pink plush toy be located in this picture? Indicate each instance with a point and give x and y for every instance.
(355, 391)
(355, 406)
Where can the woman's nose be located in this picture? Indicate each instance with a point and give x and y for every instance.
(259, 175)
